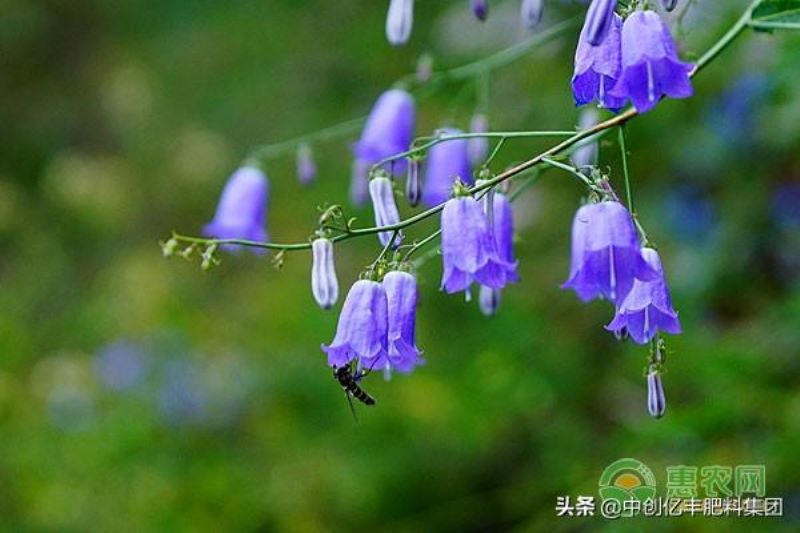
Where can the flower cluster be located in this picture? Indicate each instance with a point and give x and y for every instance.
(634, 61)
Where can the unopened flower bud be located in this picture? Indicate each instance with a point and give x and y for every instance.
(413, 185)
(324, 284)
(656, 401)
(399, 21)
(478, 147)
(531, 13)
(385, 208)
(480, 8)
(306, 168)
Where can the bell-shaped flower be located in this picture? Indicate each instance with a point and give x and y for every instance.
(598, 68)
(388, 131)
(650, 64)
(399, 21)
(478, 147)
(401, 293)
(480, 8)
(363, 326)
(531, 13)
(599, 21)
(324, 285)
(656, 400)
(241, 212)
(606, 253)
(306, 167)
(502, 227)
(385, 208)
(469, 250)
(647, 308)
(447, 162)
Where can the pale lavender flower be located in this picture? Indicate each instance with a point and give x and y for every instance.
(656, 400)
(388, 131)
(531, 13)
(306, 167)
(647, 308)
(606, 253)
(650, 64)
(363, 327)
(401, 293)
(385, 208)
(502, 227)
(489, 300)
(598, 68)
(478, 147)
(480, 8)
(599, 20)
(399, 21)
(469, 250)
(447, 162)
(359, 183)
(413, 182)
(585, 155)
(324, 285)
(242, 207)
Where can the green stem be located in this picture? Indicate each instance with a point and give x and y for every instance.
(623, 146)
(726, 39)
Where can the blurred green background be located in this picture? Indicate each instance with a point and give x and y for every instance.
(139, 394)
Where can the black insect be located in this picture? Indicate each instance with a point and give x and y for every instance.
(349, 382)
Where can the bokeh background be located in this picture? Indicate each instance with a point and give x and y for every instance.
(140, 394)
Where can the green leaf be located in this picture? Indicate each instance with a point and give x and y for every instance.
(776, 15)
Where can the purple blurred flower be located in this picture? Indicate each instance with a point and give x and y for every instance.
(413, 182)
(650, 64)
(401, 293)
(385, 208)
(647, 309)
(489, 300)
(656, 400)
(399, 21)
(606, 254)
(469, 250)
(182, 398)
(478, 147)
(480, 8)
(447, 162)
(324, 285)
(734, 115)
(359, 183)
(598, 68)
(599, 21)
(785, 206)
(120, 365)
(585, 155)
(306, 168)
(531, 13)
(503, 230)
(388, 131)
(241, 211)
(363, 327)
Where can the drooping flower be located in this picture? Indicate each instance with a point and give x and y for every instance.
(606, 253)
(478, 147)
(324, 285)
(241, 211)
(647, 308)
(599, 21)
(650, 64)
(502, 227)
(359, 183)
(399, 21)
(306, 168)
(489, 300)
(669, 5)
(363, 326)
(469, 250)
(388, 130)
(401, 293)
(598, 68)
(531, 13)
(585, 155)
(656, 400)
(480, 8)
(385, 208)
(413, 182)
(447, 162)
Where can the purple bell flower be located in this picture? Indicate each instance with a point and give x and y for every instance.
(306, 168)
(478, 147)
(480, 8)
(606, 254)
(469, 250)
(324, 285)
(359, 183)
(363, 326)
(389, 130)
(447, 162)
(399, 21)
(598, 68)
(385, 208)
(401, 293)
(647, 308)
(531, 13)
(656, 400)
(503, 229)
(599, 21)
(241, 211)
(650, 64)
